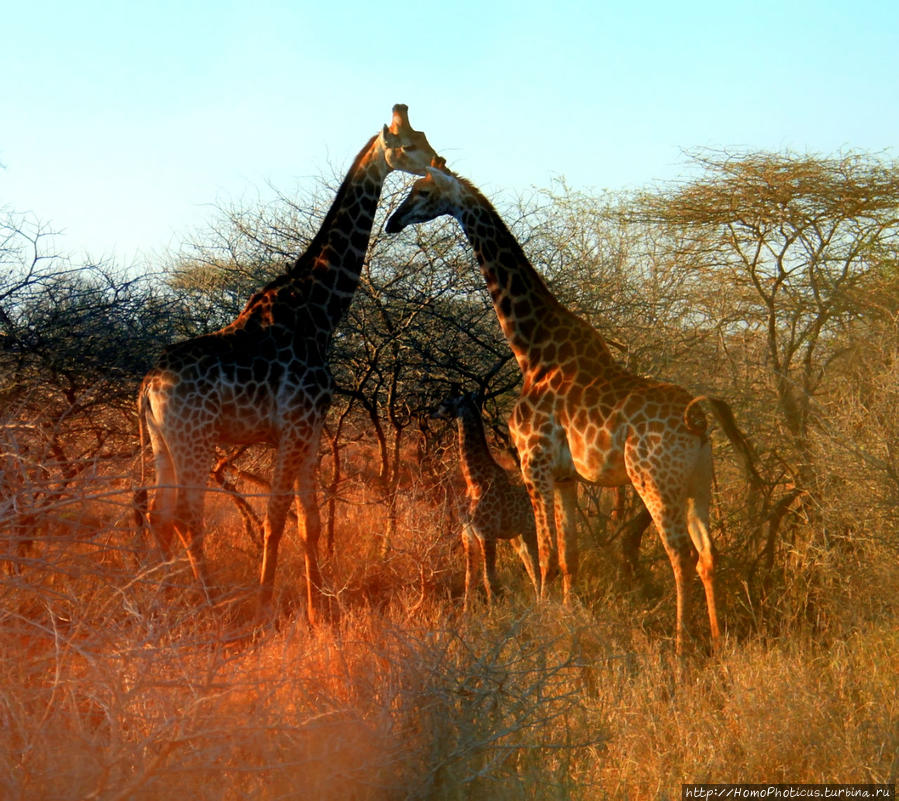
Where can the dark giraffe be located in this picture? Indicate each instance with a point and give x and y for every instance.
(265, 377)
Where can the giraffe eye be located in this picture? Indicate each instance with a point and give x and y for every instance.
(409, 148)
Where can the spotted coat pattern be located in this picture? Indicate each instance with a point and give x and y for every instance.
(581, 415)
(265, 376)
(498, 507)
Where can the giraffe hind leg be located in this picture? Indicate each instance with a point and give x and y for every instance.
(670, 521)
(698, 526)
(161, 512)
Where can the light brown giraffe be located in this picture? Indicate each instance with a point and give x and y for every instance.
(498, 508)
(265, 377)
(580, 414)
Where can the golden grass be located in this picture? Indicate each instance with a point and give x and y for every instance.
(116, 683)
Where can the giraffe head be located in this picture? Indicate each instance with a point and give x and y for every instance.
(438, 193)
(457, 404)
(405, 148)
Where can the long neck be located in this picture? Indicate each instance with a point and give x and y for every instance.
(528, 312)
(319, 285)
(478, 465)
(333, 261)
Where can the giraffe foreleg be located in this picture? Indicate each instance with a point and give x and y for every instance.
(539, 485)
(468, 546)
(491, 585)
(526, 545)
(309, 525)
(188, 524)
(566, 534)
(544, 520)
(279, 502)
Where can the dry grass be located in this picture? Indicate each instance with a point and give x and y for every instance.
(116, 683)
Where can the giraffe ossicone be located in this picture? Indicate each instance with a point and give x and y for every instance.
(580, 415)
(265, 377)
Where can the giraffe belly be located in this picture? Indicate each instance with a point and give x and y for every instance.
(597, 460)
(241, 422)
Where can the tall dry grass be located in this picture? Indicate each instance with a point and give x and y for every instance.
(117, 682)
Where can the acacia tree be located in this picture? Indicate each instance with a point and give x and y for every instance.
(782, 248)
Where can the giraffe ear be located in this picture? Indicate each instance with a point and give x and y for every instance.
(440, 176)
(389, 138)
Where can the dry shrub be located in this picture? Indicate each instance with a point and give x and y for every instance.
(760, 713)
(118, 681)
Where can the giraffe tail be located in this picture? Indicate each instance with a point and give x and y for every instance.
(743, 449)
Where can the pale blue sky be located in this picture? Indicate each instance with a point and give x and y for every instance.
(124, 124)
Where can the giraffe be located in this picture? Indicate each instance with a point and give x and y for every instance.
(265, 376)
(498, 508)
(580, 415)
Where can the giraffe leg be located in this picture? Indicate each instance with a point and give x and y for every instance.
(309, 523)
(293, 467)
(631, 533)
(468, 545)
(698, 526)
(543, 503)
(273, 528)
(526, 545)
(161, 519)
(681, 563)
(666, 500)
(161, 514)
(670, 520)
(705, 567)
(673, 533)
(491, 585)
(566, 534)
(189, 526)
(546, 539)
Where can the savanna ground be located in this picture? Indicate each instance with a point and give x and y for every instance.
(119, 682)
(770, 281)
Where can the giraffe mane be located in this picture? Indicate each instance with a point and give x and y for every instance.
(303, 263)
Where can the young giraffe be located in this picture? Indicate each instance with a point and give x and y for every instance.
(580, 414)
(265, 377)
(498, 509)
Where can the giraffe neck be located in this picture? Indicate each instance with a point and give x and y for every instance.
(530, 315)
(478, 464)
(312, 296)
